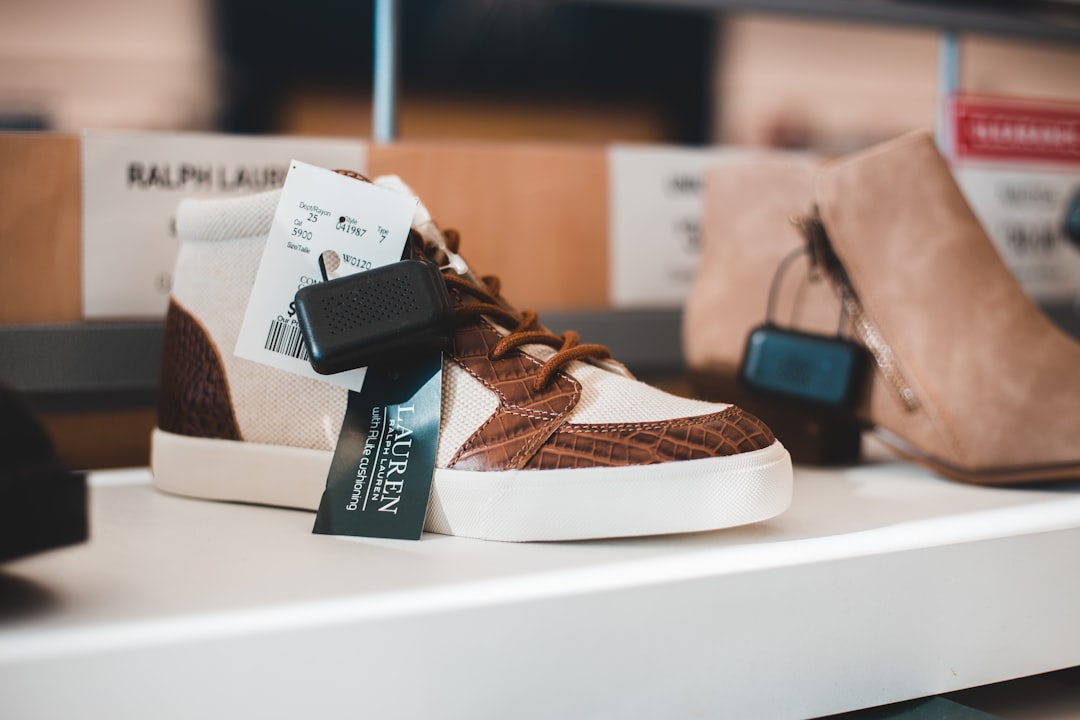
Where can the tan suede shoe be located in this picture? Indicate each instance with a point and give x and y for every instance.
(970, 378)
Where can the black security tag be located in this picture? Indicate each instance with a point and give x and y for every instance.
(382, 315)
(380, 477)
(813, 369)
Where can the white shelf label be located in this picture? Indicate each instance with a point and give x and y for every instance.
(132, 184)
(655, 221)
(1023, 212)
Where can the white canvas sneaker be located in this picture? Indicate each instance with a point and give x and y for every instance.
(541, 438)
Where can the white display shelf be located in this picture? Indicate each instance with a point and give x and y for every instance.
(882, 583)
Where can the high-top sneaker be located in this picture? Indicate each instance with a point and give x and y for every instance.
(541, 438)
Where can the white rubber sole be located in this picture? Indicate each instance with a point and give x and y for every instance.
(515, 505)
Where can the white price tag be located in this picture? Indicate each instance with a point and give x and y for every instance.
(364, 225)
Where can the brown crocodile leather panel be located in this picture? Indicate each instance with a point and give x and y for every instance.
(525, 417)
(729, 432)
(194, 396)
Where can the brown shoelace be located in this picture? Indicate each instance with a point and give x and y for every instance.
(525, 327)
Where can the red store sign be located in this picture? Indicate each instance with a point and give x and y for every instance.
(992, 128)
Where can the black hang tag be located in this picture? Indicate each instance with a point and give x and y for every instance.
(380, 477)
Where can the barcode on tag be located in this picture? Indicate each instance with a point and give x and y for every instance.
(285, 337)
(316, 212)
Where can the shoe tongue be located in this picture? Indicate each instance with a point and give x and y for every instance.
(433, 238)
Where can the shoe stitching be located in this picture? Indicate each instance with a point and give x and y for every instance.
(534, 437)
(528, 330)
(659, 425)
(484, 308)
(538, 438)
(503, 400)
(473, 439)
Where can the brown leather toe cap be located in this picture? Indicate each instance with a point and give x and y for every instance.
(729, 432)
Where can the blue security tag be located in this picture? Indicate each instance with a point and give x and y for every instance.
(380, 476)
(816, 370)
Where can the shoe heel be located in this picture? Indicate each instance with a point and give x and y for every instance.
(813, 437)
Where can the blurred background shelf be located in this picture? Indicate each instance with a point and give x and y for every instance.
(113, 365)
(1055, 20)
